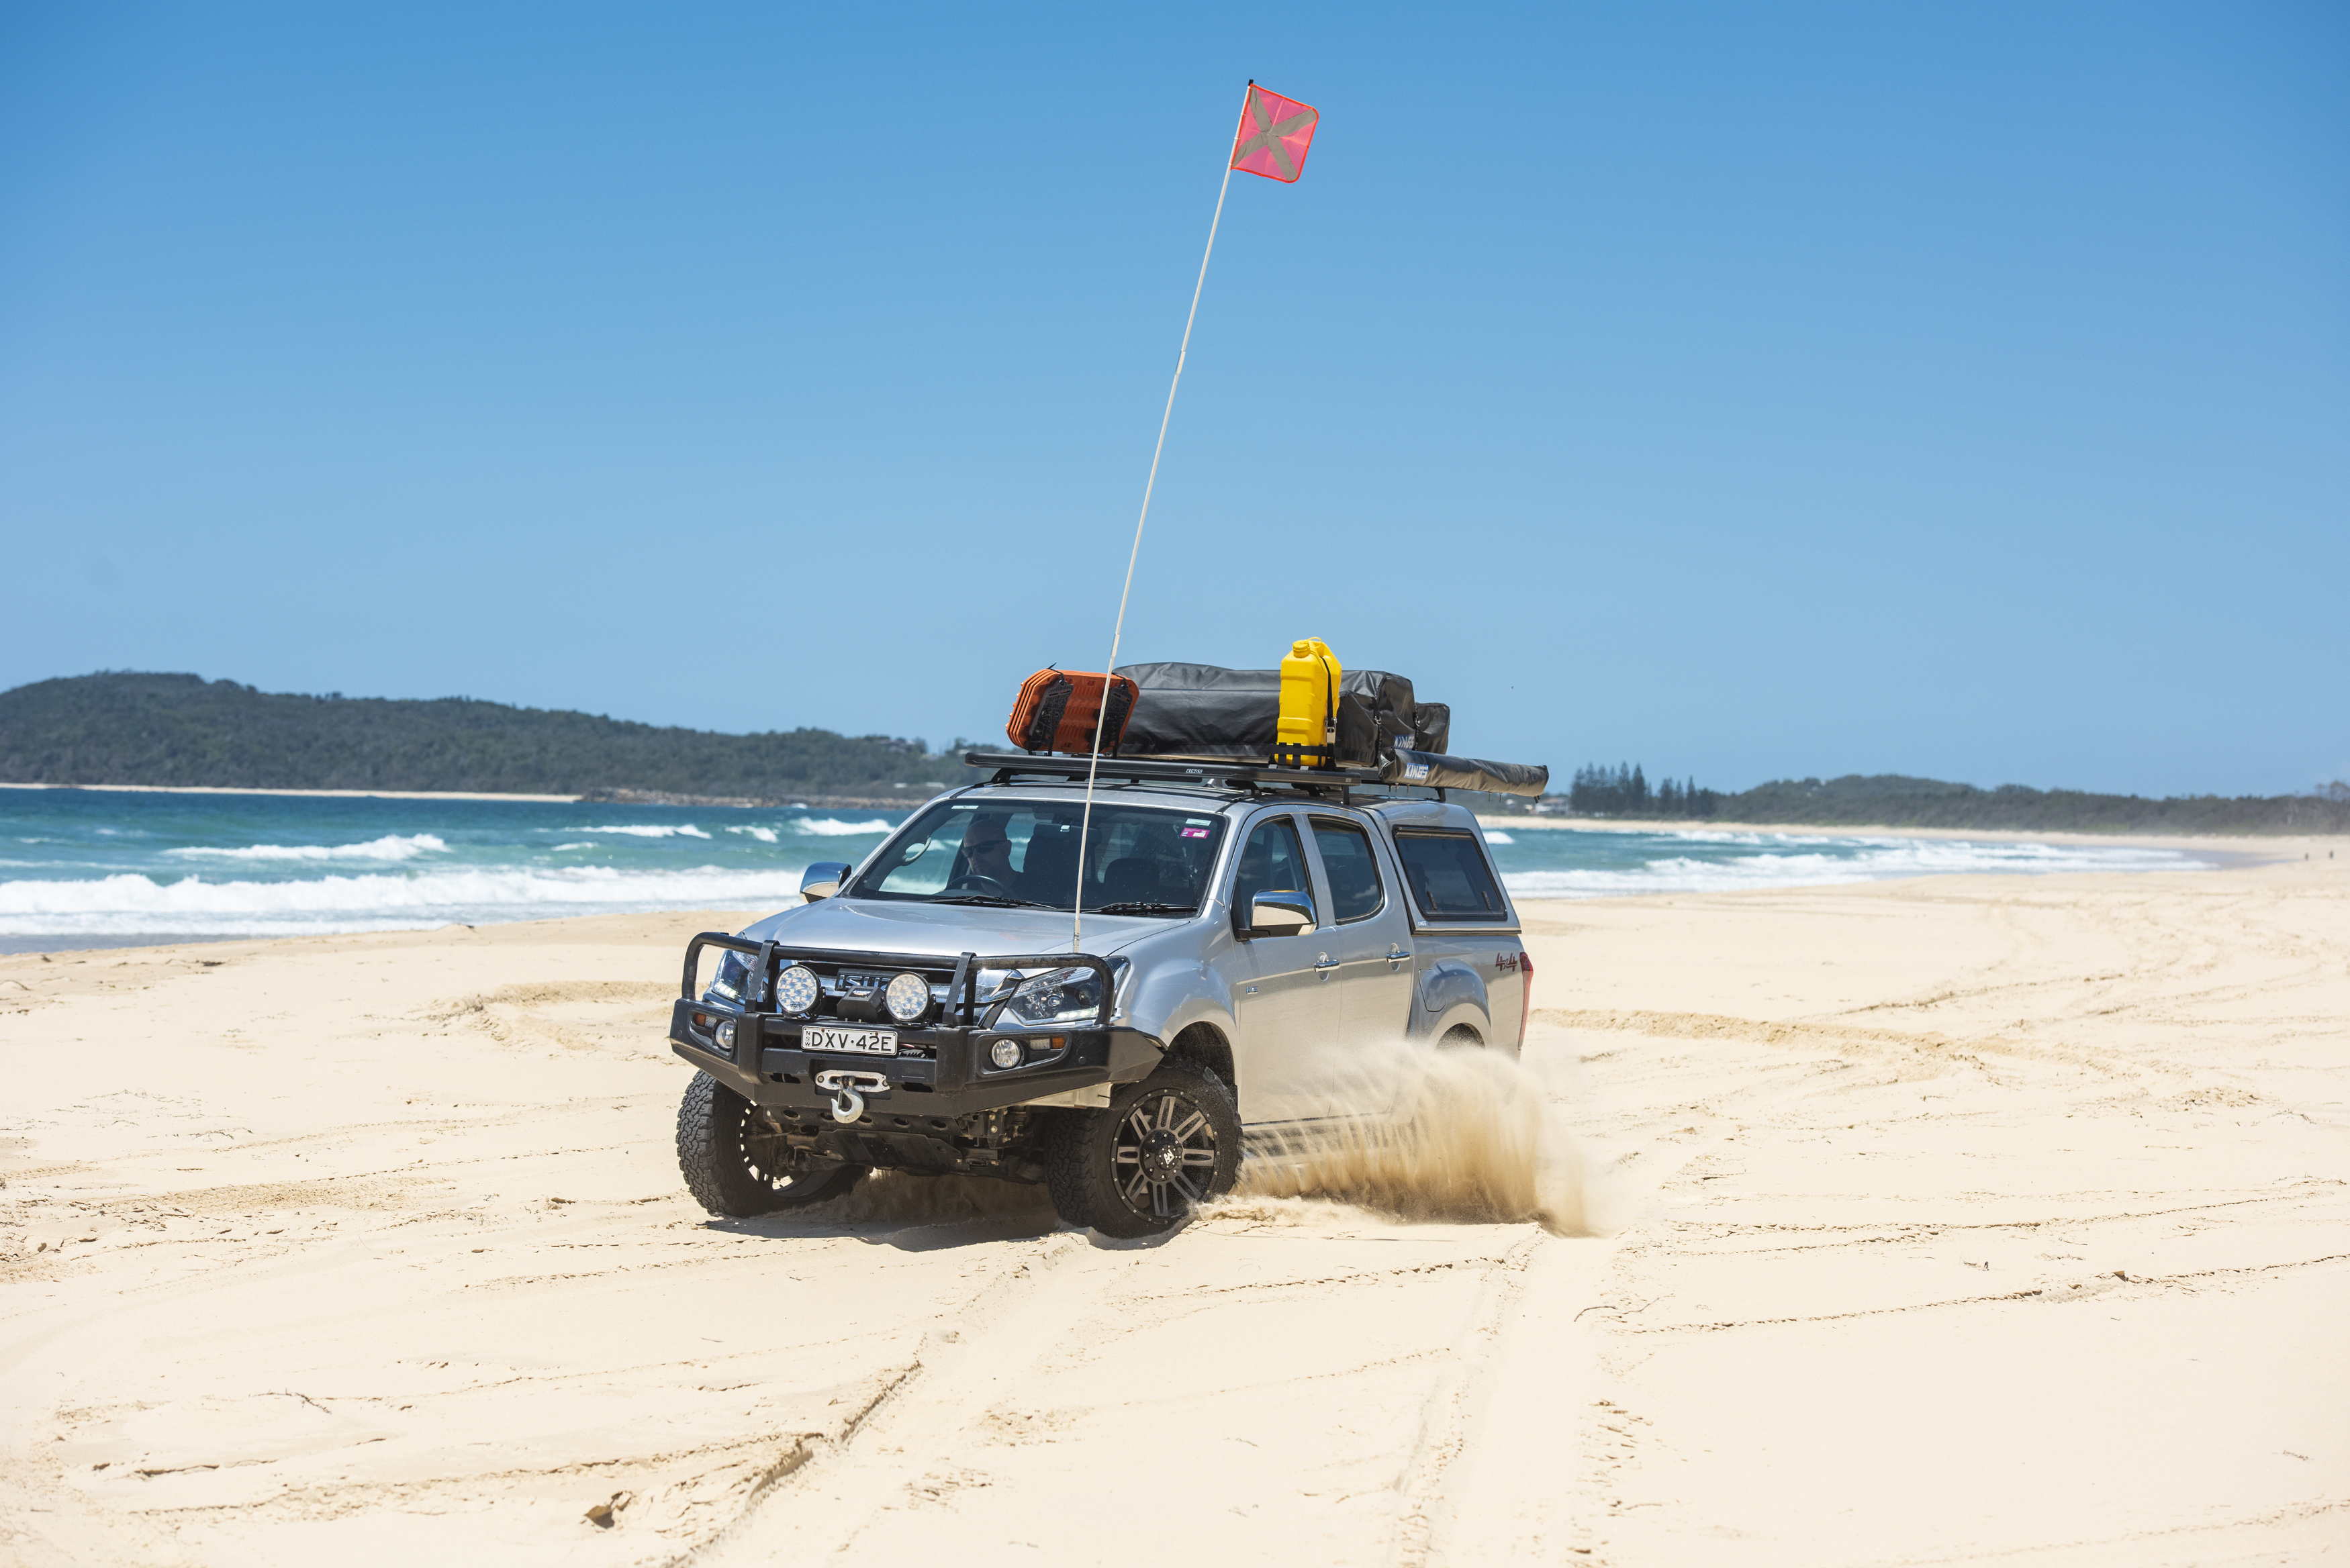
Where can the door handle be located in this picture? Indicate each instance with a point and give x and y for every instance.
(1326, 963)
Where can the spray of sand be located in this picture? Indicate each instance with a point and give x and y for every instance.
(1424, 1133)
(1408, 1131)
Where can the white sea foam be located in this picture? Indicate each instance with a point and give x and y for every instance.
(832, 827)
(649, 830)
(1834, 862)
(763, 835)
(583, 844)
(375, 901)
(1495, 835)
(387, 848)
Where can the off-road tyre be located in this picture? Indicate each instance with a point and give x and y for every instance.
(736, 1163)
(1180, 1122)
(1462, 1037)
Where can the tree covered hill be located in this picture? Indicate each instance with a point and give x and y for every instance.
(182, 729)
(1892, 800)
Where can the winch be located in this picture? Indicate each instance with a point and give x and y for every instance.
(849, 1090)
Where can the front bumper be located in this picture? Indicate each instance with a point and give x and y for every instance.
(940, 1088)
(938, 1076)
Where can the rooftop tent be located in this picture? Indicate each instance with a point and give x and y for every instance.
(1206, 710)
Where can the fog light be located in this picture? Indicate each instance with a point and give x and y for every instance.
(1004, 1053)
(726, 1036)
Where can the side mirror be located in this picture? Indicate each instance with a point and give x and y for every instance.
(1280, 912)
(823, 880)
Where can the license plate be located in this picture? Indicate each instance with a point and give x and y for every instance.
(856, 1042)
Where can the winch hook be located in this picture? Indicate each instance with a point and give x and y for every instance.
(848, 1091)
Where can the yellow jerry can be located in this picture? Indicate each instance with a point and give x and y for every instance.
(1308, 733)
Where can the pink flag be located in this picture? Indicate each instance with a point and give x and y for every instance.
(1273, 136)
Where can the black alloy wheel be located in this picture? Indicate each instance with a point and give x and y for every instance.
(736, 1162)
(1164, 1146)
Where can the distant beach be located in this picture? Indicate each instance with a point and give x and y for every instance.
(2248, 848)
(319, 793)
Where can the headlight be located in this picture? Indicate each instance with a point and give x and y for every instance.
(725, 1034)
(907, 998)
(1004, 1053)
(796, 988)
(1057, 996)
(732, 971)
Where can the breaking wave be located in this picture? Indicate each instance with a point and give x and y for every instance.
(832, 827)
(647, 830)
(1787, 860)
(388, 848)
(129, 903)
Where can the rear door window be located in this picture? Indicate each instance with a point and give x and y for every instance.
(1449, 875)
(1354, 875)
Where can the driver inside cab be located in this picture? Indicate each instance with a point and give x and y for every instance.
(987, 857)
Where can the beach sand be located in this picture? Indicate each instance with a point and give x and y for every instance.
(1958, 1220)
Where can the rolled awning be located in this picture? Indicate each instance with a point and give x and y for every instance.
(1438, 770)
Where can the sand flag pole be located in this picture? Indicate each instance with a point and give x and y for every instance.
(1273, 134)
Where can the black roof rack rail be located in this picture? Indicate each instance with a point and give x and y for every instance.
(1238, 773)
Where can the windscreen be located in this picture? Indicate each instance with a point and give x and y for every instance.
(1138, 860)
(1449, 874)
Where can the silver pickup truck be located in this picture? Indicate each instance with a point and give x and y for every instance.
(1243, 929)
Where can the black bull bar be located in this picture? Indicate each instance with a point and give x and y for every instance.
(942, 1070)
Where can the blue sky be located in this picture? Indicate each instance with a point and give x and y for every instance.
(1748, 391)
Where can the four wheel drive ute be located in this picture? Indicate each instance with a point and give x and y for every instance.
(1244, 927)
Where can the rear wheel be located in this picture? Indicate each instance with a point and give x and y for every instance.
(1165, 1145)
(736, 1162)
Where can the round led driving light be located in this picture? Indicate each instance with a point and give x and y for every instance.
(1004, 1053)
(726, 1036)
(796, 988)
(907, 998)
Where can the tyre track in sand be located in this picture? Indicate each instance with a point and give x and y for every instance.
(1245, 1365)
(825, 1487)
(1482, 1483)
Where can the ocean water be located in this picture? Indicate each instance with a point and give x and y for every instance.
(87, 867)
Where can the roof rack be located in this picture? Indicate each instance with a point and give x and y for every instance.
(1237, 774)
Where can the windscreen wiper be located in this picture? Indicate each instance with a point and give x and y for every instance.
(992, 902)
(1143, 906)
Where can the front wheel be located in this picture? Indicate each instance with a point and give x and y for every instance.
(736, 1162)
(1165, 1145)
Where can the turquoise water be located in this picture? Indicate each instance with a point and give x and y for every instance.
(87, 868)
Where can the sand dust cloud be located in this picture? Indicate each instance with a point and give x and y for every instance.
(1469, 1135)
